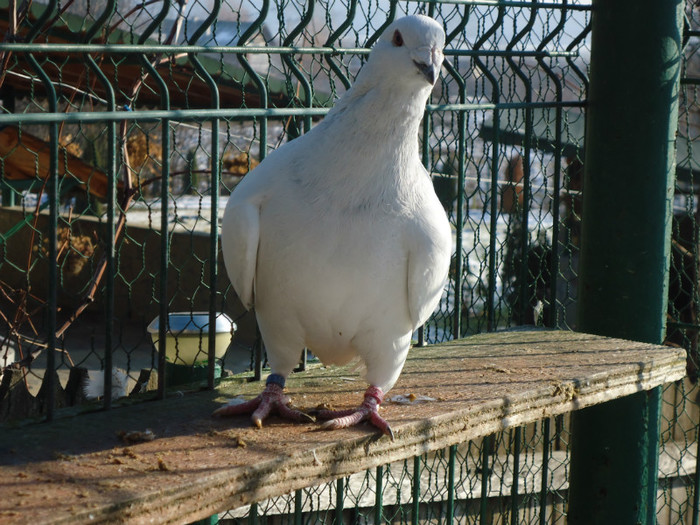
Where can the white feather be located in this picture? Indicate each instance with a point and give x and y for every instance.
(337, 238)
(94, 384)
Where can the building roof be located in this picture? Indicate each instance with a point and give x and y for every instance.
(186, 88)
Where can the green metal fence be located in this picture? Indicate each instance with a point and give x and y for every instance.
(125, 125)
(679, 501)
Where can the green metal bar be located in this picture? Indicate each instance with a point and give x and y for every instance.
(260, 82)
(132, 49)
(623, 280)
(686, 326)
(163, 323)
(516, 438)
(490, 106)
(390, 16)
(51, 185)
(425, 158)
(7, 94)
(460, 205)
(253, 514)
(214, 189)
(461, 177)
(493, 200)
(261, 86)
(214, 246)
(8, 196)
(696, 487)
(298, 506)
(378, 496)
(461, 169)
(111, 197)
(415, 490)
(452, 457)
(485, 479)
(231, 113)
(582, 77)
(35, 28)
(544, 488)
(303, 359)
(339, 501)
(156, 115)
(352, 7)
(164, 260)
(552, 321)
(296, 71)
(257, 355)
(52, 303)
(525, 290)
(502, 3)
(211, 520)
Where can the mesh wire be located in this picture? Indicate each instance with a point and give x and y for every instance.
(169, 131)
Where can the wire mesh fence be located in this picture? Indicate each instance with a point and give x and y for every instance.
(506, 478)
(125, 126)
(678, 498)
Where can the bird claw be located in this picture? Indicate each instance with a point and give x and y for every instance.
(237, 409)
(283, 410)
(271, 400)
(346, 420)
(367, 411)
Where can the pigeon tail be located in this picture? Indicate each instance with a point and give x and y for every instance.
(369, 410)
(271, 400)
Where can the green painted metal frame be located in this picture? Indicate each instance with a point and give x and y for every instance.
(309, 109)
(623, 287)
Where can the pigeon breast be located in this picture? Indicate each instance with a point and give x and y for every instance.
(338, 238)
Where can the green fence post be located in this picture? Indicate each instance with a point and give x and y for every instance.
(623, 279)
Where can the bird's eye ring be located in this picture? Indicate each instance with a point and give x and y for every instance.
(398, 39)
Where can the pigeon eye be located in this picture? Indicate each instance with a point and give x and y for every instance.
(398, 39)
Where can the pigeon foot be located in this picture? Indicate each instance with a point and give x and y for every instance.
(271, 400)
(367, 411)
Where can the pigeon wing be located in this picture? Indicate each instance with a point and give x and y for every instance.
(239, 246)
(428, 265)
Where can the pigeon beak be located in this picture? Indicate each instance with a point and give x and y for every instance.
(428, 70)
(428, 61)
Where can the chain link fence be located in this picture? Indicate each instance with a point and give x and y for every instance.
(125, 126)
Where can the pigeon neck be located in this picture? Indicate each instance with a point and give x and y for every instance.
(392, 111)
(396, 100)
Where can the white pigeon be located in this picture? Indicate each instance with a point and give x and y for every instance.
(338, 239)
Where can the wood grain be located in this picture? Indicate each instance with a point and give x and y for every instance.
(76, 470)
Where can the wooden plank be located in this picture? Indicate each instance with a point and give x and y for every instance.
(76, 470)
(675, 471)
(674, 462)
(26, 157)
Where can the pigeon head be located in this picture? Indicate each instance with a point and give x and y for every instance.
(410, 50)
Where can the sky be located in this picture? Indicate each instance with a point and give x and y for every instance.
(483, 15)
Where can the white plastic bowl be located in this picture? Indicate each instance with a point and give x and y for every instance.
(187, 336)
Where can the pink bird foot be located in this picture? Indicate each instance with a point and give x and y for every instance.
(272, 399)
(368, 410)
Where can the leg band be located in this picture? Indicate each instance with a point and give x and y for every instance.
(276, 379)
(376, 393)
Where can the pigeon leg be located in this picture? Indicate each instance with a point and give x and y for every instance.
(272, 399)
(367, 411)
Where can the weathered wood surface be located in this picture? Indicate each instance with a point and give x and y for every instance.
(76, 469)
